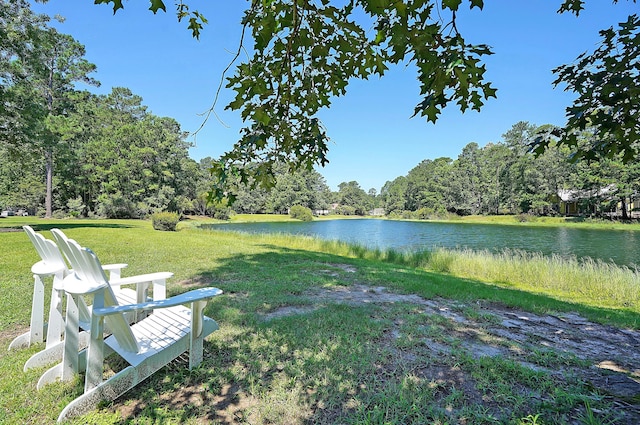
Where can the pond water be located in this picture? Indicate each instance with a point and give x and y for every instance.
(619, 246)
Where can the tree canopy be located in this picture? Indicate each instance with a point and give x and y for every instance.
(304, 53)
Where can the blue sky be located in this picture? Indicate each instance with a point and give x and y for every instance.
(373, 138)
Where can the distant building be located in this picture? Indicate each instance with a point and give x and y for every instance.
(578, 202)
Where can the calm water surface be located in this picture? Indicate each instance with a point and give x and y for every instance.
(619, 246)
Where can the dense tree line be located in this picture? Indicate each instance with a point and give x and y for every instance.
(39, 68)
(114, 159)
(67, 150)
(506, 178)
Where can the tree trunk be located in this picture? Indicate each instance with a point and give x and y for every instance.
(48, 200)
(48, 154)
(623, 202)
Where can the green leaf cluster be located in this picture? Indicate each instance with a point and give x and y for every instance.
(195, 19)
(607, 107)
(306, 53)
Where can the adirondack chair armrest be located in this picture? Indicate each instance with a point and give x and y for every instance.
(116, 266)
(143, 278)
(186, 298)
(114, 269)
(158, 279)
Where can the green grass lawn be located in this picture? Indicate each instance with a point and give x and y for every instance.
(291, 349)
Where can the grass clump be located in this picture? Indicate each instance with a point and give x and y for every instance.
(589, 281)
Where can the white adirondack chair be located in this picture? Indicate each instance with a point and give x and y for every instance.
(53, 350)
(51, 264)
(146, 346)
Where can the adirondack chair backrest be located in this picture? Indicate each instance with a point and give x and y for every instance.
(64, 244)
(52, 260)
(117, 323)
(89, 278)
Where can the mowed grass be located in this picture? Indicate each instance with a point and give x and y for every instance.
(334, 364)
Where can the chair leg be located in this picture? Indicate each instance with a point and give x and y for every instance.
(55, 326)
(54, 373)
(37, 312)
(37, 327)
(71, 340)
(196, 336)
(95, 355)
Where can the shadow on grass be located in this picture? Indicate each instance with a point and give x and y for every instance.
(79, 224)
(64, 226)
(325, 366)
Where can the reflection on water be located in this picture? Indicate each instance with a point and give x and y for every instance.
(609, 245)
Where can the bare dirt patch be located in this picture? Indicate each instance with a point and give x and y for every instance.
(607, 347)
(604, 357)
(11, 333)
(9, 229)
(223, 406)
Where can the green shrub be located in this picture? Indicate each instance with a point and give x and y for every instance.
(345, 210)
(115, 205)
(407, 215)
(300, 213)
(221, 212)
(75, 207)
(428, 213)
(166, 221)
(59, 214)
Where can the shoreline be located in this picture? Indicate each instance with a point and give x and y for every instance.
(506, 220)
